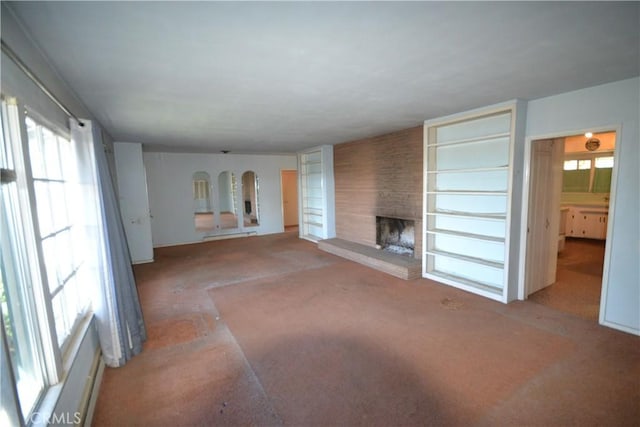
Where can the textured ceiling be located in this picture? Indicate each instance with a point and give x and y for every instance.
(278, 77)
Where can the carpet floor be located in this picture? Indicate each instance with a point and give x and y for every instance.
(578, 279)
(271, 331)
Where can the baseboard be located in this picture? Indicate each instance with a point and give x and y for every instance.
(95, 389)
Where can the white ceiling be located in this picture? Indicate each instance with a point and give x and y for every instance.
(278, 77)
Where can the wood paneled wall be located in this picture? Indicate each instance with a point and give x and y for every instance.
(378, 176)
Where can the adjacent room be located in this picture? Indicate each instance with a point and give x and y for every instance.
(320, 213)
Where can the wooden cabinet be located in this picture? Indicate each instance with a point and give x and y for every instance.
(588, 223)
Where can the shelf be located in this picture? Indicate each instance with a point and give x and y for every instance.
(475, 140)
(469, 193)
(468, 170)
(474, 260)
(467, 235)
(316, 224)
(464, 281)
(471, 215)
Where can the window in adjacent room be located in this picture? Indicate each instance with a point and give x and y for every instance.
(587, 175)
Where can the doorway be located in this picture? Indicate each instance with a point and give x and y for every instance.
(568, 215)
(289, 179)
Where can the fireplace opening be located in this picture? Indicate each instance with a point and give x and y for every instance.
(395, 235)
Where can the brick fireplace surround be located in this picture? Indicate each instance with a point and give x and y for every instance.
(378, 176)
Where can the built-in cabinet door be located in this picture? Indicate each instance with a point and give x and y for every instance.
(134, 200)
(587, 224)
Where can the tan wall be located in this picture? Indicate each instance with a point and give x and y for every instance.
(575, 144)
(378, 176)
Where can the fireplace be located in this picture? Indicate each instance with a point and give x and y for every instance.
(395, 235)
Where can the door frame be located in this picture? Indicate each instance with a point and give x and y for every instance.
(524, 218)
(282, 195)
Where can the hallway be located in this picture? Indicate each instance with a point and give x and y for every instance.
(578, 281)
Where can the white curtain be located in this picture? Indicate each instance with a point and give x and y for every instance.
(114, 296)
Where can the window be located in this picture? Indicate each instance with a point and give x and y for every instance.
(592, 175)
(59, 211)
(602, 174)
(50, 256)
(19, 313)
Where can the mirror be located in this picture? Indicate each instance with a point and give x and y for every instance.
(203, 214)
(227, 200)
(250, 199)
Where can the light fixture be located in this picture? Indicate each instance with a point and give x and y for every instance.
(592, 144)
(588, 134)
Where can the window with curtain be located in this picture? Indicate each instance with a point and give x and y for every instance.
(59, 212)
(17, 302)
(49, 256)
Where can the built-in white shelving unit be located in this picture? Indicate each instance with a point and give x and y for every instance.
(316, 195)
(467, 181)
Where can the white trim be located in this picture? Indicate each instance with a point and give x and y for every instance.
(496, 296)
(516, 109)
(95, 389)
(479, 112)
(610, 235)
(228, 236)
(43, 121)
(144, 261)
(526, 184)
(52, 394)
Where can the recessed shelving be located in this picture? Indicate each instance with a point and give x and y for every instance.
(472, 259)
(469, 170)
(315, 174)
(481, 237)
(467, 191)
(474, 140)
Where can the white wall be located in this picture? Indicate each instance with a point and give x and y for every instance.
(133, 200)
(169, 177)
(612, 105)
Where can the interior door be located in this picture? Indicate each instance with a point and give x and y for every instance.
(544, 214)
(290, 197)
(134, 200)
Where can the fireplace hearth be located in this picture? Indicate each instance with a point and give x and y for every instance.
(395, 235)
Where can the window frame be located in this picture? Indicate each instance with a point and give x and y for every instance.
(591, 156)
(50, 357)
(56, 290)
(55, 360)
